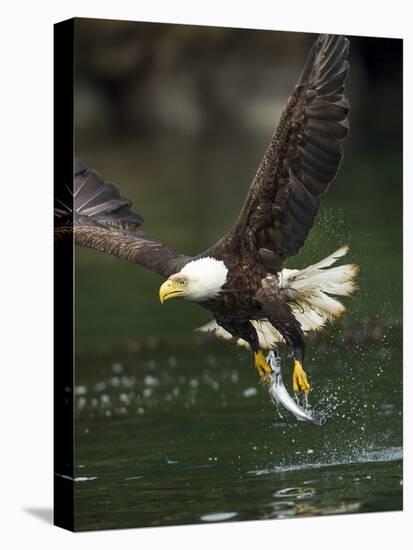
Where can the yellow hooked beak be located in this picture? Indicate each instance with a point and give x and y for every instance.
(170, 289)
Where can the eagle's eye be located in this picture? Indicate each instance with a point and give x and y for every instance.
(183, 282)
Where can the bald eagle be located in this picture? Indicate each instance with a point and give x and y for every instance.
(241, 279)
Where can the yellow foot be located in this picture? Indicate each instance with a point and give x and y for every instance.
(300, 382)
(262, 366)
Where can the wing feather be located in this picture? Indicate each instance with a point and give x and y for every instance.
(302, 158)
(103, 220)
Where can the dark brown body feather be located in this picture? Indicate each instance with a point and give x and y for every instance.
(301, 160)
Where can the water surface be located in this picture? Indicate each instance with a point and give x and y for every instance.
(162, 440)
(175, 429)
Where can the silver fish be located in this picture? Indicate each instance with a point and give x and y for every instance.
(279, 394)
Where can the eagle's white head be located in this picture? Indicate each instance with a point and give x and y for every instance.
(199, 280)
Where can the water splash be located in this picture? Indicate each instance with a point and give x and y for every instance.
(363, 456)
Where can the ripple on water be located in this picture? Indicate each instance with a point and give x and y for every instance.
(79, 478)
(219, 516)
(295, 492)
(84, 478)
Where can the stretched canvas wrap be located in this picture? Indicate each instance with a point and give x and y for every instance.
(247, 184)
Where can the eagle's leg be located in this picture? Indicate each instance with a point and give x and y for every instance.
(246, 331)
(300, 382)
(281, 317)
(293, 335)
(263, 368)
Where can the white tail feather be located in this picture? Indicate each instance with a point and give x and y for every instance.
(308, 290)
(308, 294)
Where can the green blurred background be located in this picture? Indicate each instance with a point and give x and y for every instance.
(172, 428)
(179, 118)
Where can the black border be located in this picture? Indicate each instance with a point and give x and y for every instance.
(63, 280)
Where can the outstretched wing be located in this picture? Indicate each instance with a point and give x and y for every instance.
(301, 160)
(103, 220)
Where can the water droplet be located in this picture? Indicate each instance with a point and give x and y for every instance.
(249, 392)
(150, 380)
(117, 368)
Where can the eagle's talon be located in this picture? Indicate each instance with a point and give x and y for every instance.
(300, 382)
